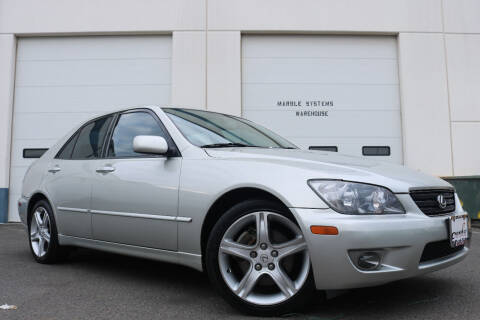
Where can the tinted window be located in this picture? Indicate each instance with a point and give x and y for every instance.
(90, 139)
(128, 127)
(66, 151)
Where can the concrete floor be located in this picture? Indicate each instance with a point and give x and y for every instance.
(95, 285)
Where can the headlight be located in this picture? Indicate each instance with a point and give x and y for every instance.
(356, 198)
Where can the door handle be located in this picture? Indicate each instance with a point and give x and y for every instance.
(105, 169)
(54, 169)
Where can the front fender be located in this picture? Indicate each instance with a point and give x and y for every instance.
(203, 181)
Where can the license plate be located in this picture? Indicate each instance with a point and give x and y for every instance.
(458, 226)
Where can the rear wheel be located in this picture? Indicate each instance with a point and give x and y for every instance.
(257, 258)
(43, 236)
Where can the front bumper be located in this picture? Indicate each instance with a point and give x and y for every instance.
(400, 238)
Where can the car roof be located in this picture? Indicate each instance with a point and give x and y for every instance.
(152, 107)
(201, 110)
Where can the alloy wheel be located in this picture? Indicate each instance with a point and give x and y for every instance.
(40, 231)
(263, 258)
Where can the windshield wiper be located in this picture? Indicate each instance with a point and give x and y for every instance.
(225, 145)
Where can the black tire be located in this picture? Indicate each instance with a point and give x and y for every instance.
(294, 303)
(54, 252)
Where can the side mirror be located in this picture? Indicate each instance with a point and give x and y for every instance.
(150, 144)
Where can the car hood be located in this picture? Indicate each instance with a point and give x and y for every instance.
(330, 165)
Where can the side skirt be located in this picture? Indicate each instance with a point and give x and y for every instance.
(187, 259)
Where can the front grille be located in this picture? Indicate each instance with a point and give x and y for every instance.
(427, 201)
(438, 249)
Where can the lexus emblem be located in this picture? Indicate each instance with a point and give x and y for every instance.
(442, 203)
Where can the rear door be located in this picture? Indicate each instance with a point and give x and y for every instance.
(68, 180)
(134, 195)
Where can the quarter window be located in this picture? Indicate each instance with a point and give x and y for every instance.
(90, 139)
(67, 149)
(128, 127)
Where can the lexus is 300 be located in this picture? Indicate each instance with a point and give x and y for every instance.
(268, 222)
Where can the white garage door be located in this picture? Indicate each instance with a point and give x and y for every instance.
(62, 81)
(337, 93)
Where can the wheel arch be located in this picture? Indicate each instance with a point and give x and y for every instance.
(37, 196)
(225, 202)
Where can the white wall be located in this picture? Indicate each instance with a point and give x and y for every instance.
(189, 69)
(58, 16)
(7, 78)
(439, 54)
(462, 46)
(424, 100)
(325, 15)
(466, 151)
(224, 72)
(462, 16)
(463, 62)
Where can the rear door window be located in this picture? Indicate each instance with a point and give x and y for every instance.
(90, 139)
(67, 149)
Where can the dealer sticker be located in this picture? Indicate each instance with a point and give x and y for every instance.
(458, 230)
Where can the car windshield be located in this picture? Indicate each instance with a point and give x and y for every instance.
(214, 130)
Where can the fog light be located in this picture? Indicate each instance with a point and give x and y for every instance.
(369, 261)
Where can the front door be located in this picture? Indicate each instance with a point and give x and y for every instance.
(134, 195)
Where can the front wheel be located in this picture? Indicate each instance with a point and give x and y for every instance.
(257, 258)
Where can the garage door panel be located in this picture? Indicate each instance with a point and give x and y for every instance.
(63, 81)
(315, 89)
(90, 99)
(302, 46)
(356, 71)
(341, 123)
(94, 72)
(93, 47)
(266, 96)
(51, 126)
(17, 173)
(17, 153)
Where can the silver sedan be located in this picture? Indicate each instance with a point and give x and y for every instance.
(268, 222)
